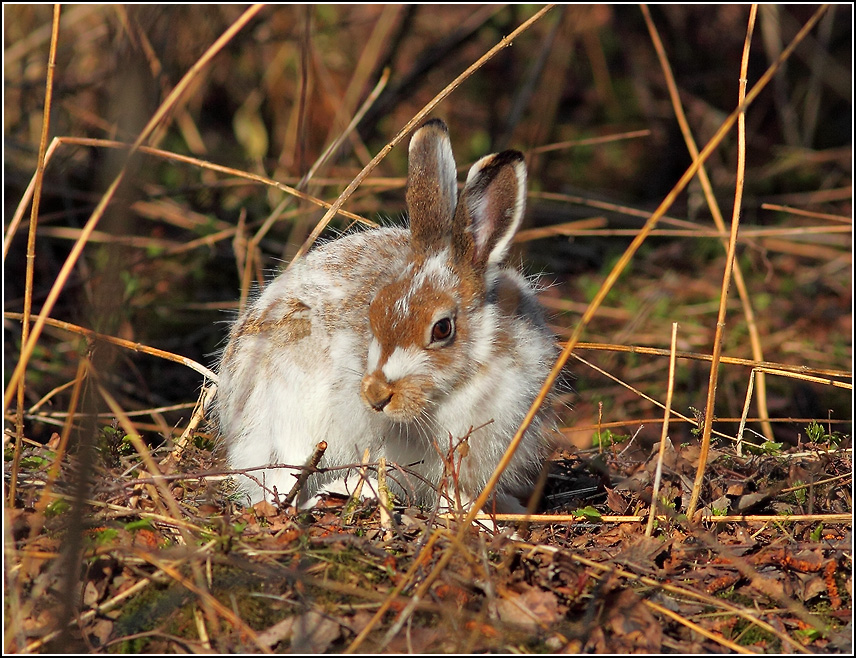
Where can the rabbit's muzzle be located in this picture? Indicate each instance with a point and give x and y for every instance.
(402, 400)
(376, 391)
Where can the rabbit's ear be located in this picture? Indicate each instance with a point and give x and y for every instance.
(490, 210)
(432, 186)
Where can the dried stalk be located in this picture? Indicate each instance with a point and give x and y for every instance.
(664, 435)
(748, 311)
(726, 278)
(31, 252)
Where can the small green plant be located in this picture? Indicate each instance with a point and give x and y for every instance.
(818, 434)
(112, 444)
(57, 507)
(588, 512)
(607, 438)
(203, 442)
(139, 524)
(770, 448)
(104, 536)
(34, 462)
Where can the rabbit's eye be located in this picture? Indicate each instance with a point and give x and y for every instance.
(442, 330)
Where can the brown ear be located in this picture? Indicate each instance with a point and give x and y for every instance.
(490, 210)
(432, 186)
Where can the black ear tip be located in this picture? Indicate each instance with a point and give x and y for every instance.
(507, 157)
(437, 124)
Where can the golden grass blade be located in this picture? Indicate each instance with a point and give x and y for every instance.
(782, 373)
(664, 435)
(127, 344)
(606, 139)
(640, 518)
(716, 637)
(726, 281)
(31, 249)
(732, 360)
(175, 157)
(739, 281)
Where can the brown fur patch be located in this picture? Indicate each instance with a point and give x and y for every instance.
(290, 325)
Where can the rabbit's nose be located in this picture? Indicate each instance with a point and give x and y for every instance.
(376, 391)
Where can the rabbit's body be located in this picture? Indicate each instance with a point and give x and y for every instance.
(393, 340)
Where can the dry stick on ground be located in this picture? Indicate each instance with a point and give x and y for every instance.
(726, 278)
(305, 472)
(707, 518)
(748, 311)
(664, 435)
(619, 267)
(203, 403)
(160, 114)
(31, 251)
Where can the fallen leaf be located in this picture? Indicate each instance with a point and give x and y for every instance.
(314, 633)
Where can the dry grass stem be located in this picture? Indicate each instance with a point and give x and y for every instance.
(782, 373)
(640, 518)
(731, 360)
(606, 139)
(716, 637)
(126, 344)
(664, 435)
(726, 284)
(31, 249)
(710, 198)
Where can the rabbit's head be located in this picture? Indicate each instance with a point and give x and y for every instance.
(448, 313)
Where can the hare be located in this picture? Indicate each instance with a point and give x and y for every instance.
(405, 341)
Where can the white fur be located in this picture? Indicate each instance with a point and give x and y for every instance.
(374, 355)
(404, 362)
